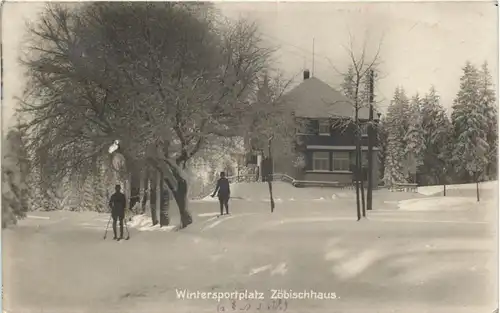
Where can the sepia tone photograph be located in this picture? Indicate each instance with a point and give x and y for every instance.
(203, 157)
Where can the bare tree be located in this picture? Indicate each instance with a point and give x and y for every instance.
(269, 115)
(269, 124)
(355, 88)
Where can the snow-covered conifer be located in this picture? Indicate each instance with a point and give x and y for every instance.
(414, 137)
(488, 102)
(396, 129)
(437, 138)
(470, 125)
(15, 168)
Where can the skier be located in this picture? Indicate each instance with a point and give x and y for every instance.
(223, 192)
(117, 203)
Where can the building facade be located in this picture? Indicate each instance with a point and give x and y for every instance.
(326, 137)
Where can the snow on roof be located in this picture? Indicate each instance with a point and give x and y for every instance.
(313, 98)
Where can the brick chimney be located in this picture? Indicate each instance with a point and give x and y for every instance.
(307, 74)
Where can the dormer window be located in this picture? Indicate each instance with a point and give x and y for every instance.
(324, 128)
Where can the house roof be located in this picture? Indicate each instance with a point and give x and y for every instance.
(313, 98)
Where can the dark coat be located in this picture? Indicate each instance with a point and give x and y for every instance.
(223, 190)
(117, 202)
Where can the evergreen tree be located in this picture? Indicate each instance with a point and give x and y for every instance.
(470, 126)
(396, 129)
(15, 170)
(488, 102)
(414, 137)
(437, 138)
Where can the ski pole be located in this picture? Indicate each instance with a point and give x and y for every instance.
(106, 232)
(128, 233)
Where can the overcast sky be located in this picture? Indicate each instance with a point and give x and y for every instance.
(423, 44)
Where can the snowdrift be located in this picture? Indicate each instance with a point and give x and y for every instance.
(442, 204)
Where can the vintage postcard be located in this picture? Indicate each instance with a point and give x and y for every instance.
(306, 157)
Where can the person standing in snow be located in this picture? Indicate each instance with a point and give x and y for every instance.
(223, 192)
(117, 203)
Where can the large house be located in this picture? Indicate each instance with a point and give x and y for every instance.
(328, 149)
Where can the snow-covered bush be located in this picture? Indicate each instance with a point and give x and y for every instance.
(299, 161)
(15, 168)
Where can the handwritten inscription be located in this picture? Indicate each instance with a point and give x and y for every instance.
(236, 305)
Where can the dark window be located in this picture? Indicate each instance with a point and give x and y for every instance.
(340, 160)
(312, 127)
(324, 127)
(321, 161)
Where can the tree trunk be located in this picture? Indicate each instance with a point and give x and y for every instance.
(128, 188)
(146, 191)
(152, 198)
(356, 168)
(270, 178)
(477, 189)
(95, 180)
(362, 178)
(173, 178)
(164, 203)
(270, 185)
(135, 189)
(158, 195)
(180, 196)
(142, 192)
(356, 123)
(444, 190)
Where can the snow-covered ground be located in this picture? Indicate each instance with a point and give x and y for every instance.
(258, 191)
(144, 223)
(414, 253)
(484, 186)
(285, 192)
(442, 204)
